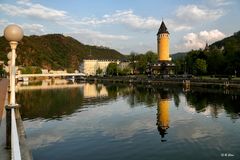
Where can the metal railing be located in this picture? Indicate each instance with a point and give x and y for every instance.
(15, 147)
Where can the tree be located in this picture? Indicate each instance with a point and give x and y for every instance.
(200, 66)
(141, 64)
(112, 69)
(133, 59)
(215, 62)
(151, 57)
(124, 71)
(99, 71)
(31, 70)
(180, 66)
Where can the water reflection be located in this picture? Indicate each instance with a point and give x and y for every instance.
(163, 117)
(94, 90)
(57, 102)
(118, 121)
(214, 103)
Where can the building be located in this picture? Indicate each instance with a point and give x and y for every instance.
(164, 66)
(90, 66)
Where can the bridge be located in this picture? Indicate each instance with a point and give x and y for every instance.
(75, 85)
(51, 75)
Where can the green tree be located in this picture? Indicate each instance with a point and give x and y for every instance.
(99, 71)
(180, 65)
(141, 64)
(31, 70)
(112, 69)
(215, 62)
(124, 71)
(151, 57)
(200, 67)
(133, 60)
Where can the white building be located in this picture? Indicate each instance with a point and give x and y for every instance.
(90, 66)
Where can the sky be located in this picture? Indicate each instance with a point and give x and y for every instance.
(126, 25)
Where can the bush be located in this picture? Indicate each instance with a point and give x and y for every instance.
(31, 70)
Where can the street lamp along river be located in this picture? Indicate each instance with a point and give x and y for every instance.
(13, 33)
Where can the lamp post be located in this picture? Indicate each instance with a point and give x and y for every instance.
(13, 34)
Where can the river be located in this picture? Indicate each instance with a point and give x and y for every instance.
(126, 122)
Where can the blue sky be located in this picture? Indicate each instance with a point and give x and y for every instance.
(126, 25)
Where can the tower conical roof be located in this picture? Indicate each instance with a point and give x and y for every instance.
(162, 29)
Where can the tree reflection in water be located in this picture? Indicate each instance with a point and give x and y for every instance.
(56, 103)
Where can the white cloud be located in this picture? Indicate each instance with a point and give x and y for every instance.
(95, 34)
(23, 1)
(33, 10)
(97, 38)
(222, 2)
(192, 41)
(33, 29)
(196, 41)
(133, 21)
(25, 8)
(212, 35)
(126, 17)
(175, 26)
(193, 13)
(3, 22)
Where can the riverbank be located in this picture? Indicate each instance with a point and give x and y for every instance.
(186, 82)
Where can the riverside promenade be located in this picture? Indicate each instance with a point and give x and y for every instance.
(195, 82)
(4, 153)
(3, 93)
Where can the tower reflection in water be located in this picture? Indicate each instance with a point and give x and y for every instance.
(163, 117)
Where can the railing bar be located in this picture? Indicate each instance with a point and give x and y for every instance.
(16, 155)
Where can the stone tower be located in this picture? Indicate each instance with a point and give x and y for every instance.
(163, 43)
(164, 67)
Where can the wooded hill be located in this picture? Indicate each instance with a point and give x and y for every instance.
(220, 58)
(55, 51)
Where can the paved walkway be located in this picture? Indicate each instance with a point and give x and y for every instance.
(4, 154)
(3, 91)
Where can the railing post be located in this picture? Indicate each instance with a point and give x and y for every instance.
(8, 126)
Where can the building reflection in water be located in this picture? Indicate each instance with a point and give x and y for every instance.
(94, 90)
(163, 117)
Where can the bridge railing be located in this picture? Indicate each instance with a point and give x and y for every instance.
(15, 147)
(12, 139)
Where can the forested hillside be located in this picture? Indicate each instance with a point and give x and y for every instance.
(55, 51)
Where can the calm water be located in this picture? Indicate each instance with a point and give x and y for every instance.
(116, 122)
